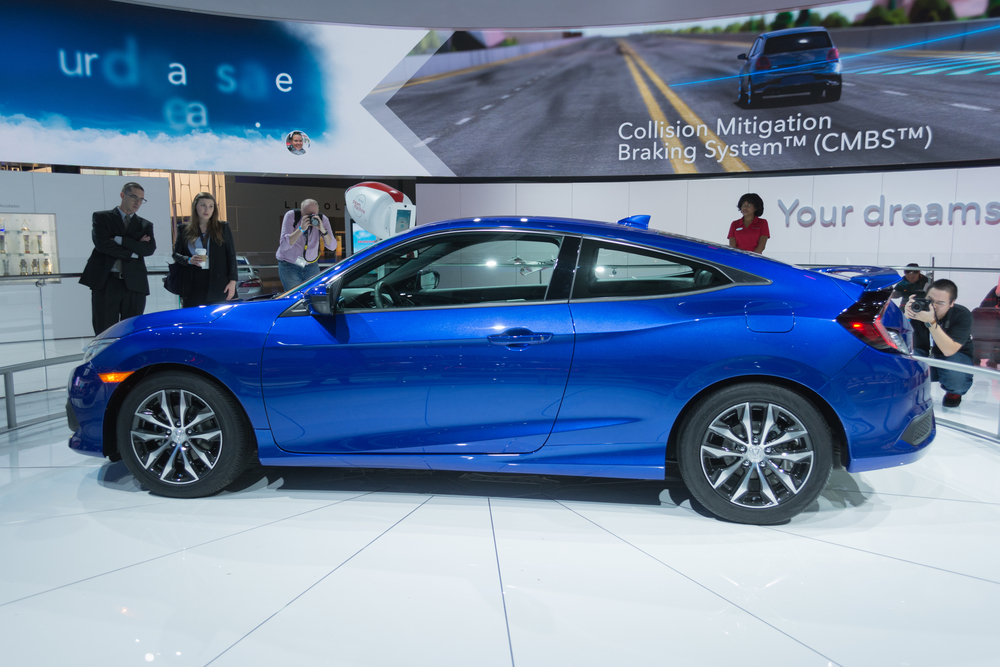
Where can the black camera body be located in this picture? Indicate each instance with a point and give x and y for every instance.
(920, 303)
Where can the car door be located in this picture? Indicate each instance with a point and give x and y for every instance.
(645, 319)
(458, 343)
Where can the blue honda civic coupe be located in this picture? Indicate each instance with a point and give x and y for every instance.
(524, 345)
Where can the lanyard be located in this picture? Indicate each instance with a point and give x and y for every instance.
(305, 248)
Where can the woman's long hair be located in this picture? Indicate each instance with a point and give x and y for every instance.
(193, 229)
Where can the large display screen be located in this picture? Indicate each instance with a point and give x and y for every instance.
(102, 83)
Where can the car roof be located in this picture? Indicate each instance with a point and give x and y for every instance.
(792, 31)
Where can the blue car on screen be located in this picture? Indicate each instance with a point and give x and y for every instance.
(788, 62)
(524, 345)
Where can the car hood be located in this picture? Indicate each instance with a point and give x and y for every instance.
(169, 318)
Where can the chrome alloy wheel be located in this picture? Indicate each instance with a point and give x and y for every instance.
(757, 454)
(176, 436)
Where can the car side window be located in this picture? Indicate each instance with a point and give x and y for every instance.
(755, 49)
(456, 269)
(613, 270)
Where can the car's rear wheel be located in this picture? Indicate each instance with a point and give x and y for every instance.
(183, 436)
(741, 100)
(752, 100)
(833, 94)
(755, 453)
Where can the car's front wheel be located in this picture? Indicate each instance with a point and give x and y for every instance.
(755, 453)
(183, 436)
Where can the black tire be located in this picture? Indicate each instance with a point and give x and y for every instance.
(764, 483)
(833, 94)
(183, 436)
(741, 98)
(752, 100)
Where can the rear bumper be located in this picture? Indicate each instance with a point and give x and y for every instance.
(885, 406)
(788, 81)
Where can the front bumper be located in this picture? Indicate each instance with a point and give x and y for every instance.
(86, 404)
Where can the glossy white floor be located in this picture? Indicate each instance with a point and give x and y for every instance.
(356, 567)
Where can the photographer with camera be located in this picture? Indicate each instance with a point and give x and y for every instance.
(950, 327)
(299, 247)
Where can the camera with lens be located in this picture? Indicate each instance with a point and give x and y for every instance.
(920, 303)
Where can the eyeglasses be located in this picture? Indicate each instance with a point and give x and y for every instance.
(136, 199)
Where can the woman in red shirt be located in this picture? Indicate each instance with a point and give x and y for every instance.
(749, 232)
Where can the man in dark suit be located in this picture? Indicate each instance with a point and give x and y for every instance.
(116, 270)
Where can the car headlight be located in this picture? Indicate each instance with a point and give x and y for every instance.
(96, 347)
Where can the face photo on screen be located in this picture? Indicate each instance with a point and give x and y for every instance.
(297, 142)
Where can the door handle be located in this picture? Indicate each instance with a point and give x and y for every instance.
(519, 338)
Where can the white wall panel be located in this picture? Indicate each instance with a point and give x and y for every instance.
(607, 202)
(664, 201)
(488, 199)
(438, 201)
(16, 194)
(545, 199)
(73, 199)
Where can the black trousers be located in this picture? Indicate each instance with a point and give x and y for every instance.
(114, 302)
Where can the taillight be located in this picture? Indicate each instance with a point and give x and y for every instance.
(253, 282)
(864, 320)
(763, 63)
(833, 54)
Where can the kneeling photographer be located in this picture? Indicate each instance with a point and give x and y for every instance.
(950, 327)
(298, 248)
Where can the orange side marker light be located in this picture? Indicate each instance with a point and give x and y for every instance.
(112, 378)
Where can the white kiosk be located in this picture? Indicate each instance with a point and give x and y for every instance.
(374, 212)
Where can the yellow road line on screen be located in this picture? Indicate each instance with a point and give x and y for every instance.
(729, 163)
(672, 144)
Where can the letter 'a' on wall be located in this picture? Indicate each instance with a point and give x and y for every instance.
(106, 83)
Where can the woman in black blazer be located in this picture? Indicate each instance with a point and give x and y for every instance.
(205, 231)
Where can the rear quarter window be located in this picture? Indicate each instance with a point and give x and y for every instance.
(612, 270)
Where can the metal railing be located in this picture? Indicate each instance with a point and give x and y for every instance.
(10, 398)
(969, 370)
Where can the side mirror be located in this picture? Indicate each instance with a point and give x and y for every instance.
(742, 56)
(324, 303)
(429, 279)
